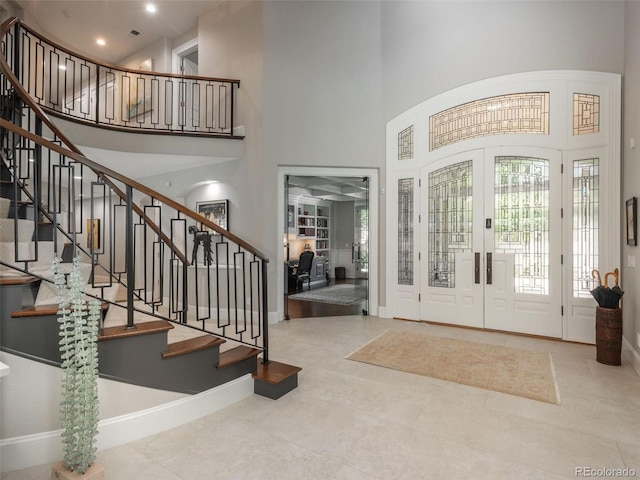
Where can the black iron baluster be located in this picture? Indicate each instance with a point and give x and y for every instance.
(129, 260)
(265, 314)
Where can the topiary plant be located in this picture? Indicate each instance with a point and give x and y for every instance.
(79, 322)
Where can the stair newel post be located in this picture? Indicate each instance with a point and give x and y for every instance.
(265, 315)
(129, 257)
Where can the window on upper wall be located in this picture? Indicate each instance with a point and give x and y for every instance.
(513, 113)
(405, 144)
(586, 113)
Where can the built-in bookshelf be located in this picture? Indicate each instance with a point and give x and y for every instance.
(310, 221)
(322, 230)
(306, 220)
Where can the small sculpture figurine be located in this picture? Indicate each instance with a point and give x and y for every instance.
(204, 238)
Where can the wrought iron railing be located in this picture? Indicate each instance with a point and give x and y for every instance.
(126, 233)
(81, 89)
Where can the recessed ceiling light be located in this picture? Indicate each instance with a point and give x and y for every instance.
(62, 67)
(101, 42)
(151, 8)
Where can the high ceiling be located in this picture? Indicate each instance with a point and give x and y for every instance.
(78, 23)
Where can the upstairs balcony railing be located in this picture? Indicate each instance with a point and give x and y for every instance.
(127, 235)
(71, 85)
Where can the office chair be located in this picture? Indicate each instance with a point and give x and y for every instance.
(304, 269)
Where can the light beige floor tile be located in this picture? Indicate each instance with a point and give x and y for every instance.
(352, 421)
(630, 456)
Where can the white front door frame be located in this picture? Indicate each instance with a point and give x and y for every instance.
(374, 206)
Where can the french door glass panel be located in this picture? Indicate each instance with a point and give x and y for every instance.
(523, 196)
(453, 203)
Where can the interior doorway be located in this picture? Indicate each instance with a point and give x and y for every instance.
(327, 218)
(185, 62)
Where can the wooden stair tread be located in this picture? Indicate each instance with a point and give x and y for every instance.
(142, 328)
(236, 355)
(192, 345)
(274, 372)
(18, 280)
(41, 310)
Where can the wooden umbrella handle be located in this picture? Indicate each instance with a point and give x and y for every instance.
(596, 274)
(616, 276)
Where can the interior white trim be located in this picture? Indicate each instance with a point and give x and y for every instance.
(374, 208)
(46, 447)
(631, 354)
(180, 51)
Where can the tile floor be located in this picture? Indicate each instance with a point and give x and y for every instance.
(353, 421)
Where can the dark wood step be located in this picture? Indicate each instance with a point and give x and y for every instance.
(142, 328)
(18, 280)
(275, 379)
(42, 310)
(192, 345)
(274, 372)
(236, 355)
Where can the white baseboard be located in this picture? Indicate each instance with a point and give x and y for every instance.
(46, 447)
(631, 354)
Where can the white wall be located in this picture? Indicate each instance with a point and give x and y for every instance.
(631, 171)
(159, 52)
(322, 92)
(230, 46)
(431, 47)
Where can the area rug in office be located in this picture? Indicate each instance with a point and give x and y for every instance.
(524, 373)
(342, 294)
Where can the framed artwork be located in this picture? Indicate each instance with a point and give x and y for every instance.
(632, 221)
(217, 211)
(139, 91)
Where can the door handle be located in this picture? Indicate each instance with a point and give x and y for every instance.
(353, 253)
(477, 267)
(489, 271)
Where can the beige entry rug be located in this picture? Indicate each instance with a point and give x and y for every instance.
(524, 373)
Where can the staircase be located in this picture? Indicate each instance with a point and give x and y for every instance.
(168, 322)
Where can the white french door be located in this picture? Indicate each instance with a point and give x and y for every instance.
(493, 235)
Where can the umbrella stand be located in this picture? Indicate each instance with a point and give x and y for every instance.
(609, 335)
(608, 319)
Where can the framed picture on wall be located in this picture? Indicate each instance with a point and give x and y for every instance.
(632, 221)
(217, 211)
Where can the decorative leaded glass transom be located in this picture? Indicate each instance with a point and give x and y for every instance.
(586, 200)
(586, 113)
(405, 231)
(405, 144)
(522, 219)
(514, 113)
(450, 220)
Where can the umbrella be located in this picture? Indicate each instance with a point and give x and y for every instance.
(605, 296)
(613, 294)
(598, 292)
